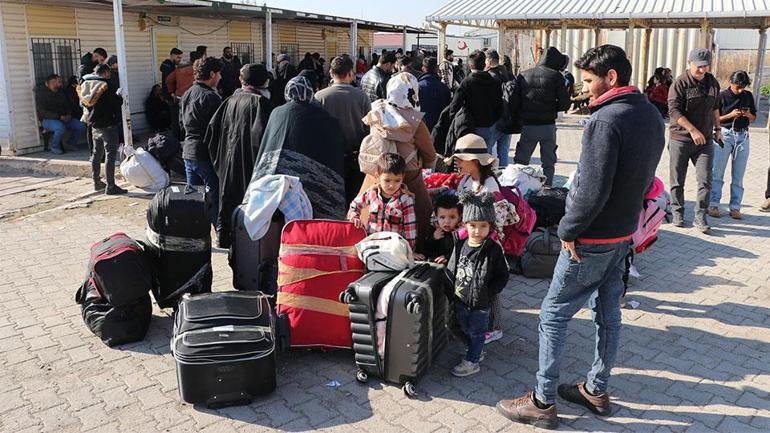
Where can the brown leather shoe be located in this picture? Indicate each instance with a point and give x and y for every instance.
(713, 211)
(598, 404)
(524, 410)
(736, 214)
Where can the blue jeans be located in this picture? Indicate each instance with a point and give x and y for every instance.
(202, 173)
(59, 128)
(737, 149)
(598, 279)
(531, 135)
(498, 143)
(473, 323)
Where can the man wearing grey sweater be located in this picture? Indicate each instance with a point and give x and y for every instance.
(622, 144)
(348, 105)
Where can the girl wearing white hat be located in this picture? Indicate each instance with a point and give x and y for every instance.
(475, 164)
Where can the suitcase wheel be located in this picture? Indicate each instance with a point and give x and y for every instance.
(409, 389)
(347, 297)
(413, 307)
(361, 376)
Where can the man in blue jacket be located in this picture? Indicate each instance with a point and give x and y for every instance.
(622, 145)
(434, 95)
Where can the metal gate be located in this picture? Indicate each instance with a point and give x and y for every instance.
(55, 56)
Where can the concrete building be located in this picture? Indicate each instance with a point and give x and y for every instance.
(46, 36)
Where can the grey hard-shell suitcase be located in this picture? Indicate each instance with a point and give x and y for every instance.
(416, 324)
(255, 263)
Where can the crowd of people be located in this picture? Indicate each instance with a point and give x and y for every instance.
(241, 122)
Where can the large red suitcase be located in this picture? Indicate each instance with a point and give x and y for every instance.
(317, 261)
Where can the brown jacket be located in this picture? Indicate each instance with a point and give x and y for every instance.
(694, 100)
(180, 80)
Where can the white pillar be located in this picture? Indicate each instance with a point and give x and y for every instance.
(630, 41)
(268, 39)
(501, 43)
(441, 41)
(403, 42)
(563, 39)
(120, 45)
(660, 57)
(547, 42)
(760, 64)
(671, 50)
(354, 40)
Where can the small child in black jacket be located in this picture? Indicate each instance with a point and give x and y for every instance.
(438, 244)
(478, 271)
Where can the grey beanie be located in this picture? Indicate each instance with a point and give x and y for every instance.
(479, 207)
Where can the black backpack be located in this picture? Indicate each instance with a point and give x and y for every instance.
(549, 205)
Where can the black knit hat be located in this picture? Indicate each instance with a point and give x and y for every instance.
(479, 207)
(255, 74)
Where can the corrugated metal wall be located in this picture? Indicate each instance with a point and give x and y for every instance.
(5, 109)
(18, 56)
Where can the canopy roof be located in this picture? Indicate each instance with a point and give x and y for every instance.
(544, 14)
(244, 9)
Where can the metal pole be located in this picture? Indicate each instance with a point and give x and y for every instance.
(501, 48)
(597, 36)
(120, 45)
(704, 34)
(760, 64)
(563, 37)
(403, 44)
(268, 39)
(354, 40)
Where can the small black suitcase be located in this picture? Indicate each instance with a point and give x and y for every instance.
(224, 348)
(255, 263)
(179, 237)
(416, 324)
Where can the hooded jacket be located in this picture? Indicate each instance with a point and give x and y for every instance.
(622, 144)
(282, 74)
(434, 96)
(542, 90)
(489, 277)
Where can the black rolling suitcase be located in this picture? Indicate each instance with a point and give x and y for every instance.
(224, 348)
(255, 263)
(415, 325)
(179, 237)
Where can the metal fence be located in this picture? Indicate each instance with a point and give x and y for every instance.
(55, 56)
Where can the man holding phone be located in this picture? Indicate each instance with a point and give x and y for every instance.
(737, 111)
(693, 105)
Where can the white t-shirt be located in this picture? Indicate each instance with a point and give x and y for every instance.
(467, 183)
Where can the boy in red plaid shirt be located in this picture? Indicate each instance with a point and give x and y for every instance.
(389, 203)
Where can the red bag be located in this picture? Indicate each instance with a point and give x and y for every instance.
(437, 180)
(515, 235)
(317, 262)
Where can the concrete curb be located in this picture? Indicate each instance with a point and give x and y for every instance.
(57, 167)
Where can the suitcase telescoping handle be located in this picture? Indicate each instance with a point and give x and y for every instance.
(348, 296)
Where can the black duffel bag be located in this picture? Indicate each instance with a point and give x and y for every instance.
(114, 325)
(549, 205)
(120, 269)
(541, 253)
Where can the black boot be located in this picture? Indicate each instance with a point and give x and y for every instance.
(112, 189)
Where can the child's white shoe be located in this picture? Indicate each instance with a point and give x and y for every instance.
(466, 368)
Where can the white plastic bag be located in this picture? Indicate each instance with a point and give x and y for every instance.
(526, 178)
(385, 252)
(143, 171)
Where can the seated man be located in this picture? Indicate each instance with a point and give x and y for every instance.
(53, 111)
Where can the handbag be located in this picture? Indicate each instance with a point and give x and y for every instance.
(385, 252)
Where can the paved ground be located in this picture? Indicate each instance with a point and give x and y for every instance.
(695, 355)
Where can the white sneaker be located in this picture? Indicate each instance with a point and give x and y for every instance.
(493, 336)
(466, 368)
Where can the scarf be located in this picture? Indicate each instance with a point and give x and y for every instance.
(403, 90)
(299, 89)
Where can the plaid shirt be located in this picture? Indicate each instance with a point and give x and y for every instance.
(396, 216)
(447, 73)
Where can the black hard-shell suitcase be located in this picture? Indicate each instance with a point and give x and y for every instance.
(416, 324)
(179, 237)
(114, 325)
(224, 348)
(255, 263)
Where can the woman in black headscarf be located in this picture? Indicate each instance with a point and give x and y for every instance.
(301, 139)
(157, 109)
